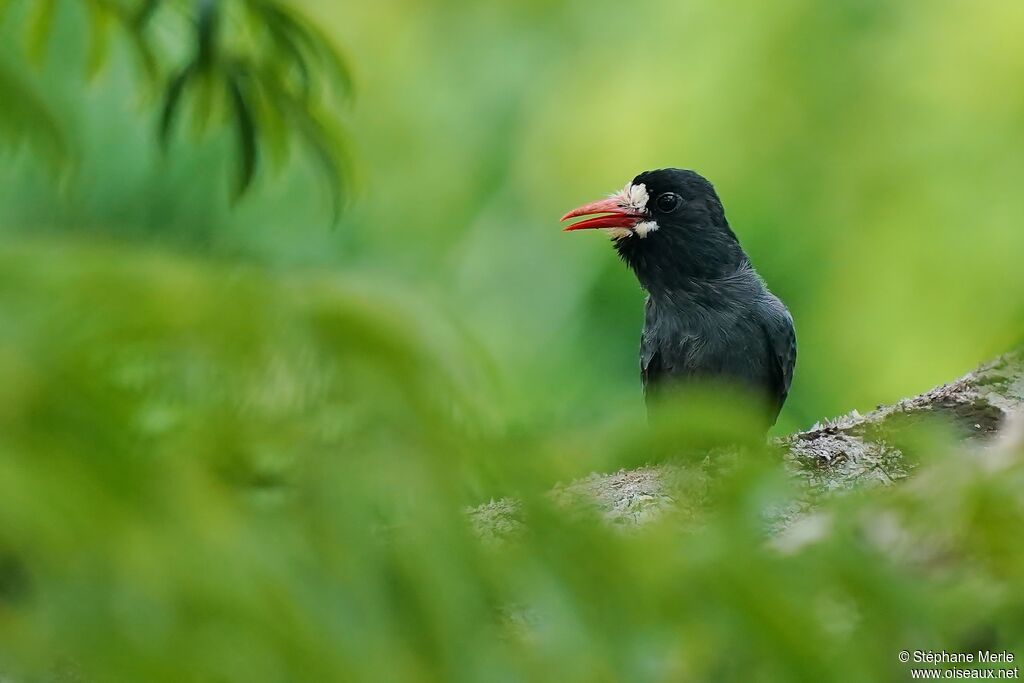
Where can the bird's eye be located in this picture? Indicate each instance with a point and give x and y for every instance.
(668, 202)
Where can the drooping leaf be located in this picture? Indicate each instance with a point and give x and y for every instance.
(172, 101)
(208, 102)
(293, 72)
(40, 26)
(328, 150)
(207, 25)
(145, 55)
(99, 37)
(25, 117)
(246, 130)
(274, 128)
(314, 42)
(284, 40)
(144, 12)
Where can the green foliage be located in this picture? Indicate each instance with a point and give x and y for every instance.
(257, 66)
(256, 478)
(235, 445)
(24, 117)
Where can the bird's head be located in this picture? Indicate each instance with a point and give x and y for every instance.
(666, 224)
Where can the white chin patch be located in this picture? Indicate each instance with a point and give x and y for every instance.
(644, 229)
(633, 197)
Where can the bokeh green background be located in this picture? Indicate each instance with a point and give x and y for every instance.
(869, 155)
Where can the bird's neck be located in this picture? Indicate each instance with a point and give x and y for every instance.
(679, 271)
(686, 296)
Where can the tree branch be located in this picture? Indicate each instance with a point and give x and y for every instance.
(839, 454)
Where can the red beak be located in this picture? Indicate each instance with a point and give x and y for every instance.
(617, 216)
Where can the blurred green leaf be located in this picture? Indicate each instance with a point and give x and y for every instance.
(172, 101)
(268, 41)
(39, 28)
(277, 464)
(26, 117)
(247, 133)
(100, 20)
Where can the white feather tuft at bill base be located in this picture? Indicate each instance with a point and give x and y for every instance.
(633, 197)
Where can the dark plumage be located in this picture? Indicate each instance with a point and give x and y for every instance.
(709, 315)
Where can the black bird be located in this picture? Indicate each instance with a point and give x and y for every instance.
(709, 316)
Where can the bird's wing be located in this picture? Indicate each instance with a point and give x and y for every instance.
(662, 364)
(655, 366)
(652, 367)
(781, 336)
